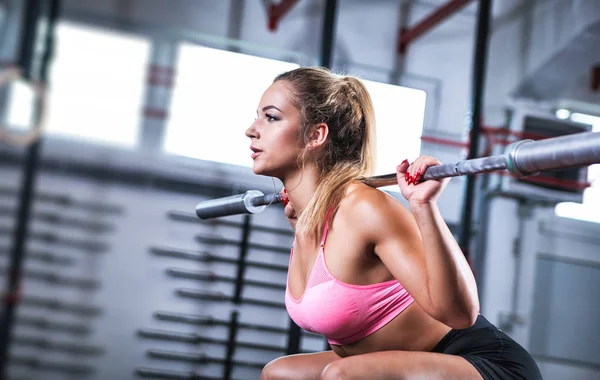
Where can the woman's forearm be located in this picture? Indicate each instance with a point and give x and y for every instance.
(451, 284)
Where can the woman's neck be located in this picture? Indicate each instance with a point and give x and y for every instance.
(301, 186)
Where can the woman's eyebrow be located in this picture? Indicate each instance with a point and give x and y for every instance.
(265, 108)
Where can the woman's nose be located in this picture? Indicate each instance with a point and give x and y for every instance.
(251, 131)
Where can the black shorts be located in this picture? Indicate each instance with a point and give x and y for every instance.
(493, 353)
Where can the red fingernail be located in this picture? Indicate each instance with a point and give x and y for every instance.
(404, 162)
(285, 199)
(418, 176)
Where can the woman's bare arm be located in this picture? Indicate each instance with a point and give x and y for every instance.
(420, 252)
(451, 281)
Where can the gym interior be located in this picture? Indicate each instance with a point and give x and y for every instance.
(119, 117)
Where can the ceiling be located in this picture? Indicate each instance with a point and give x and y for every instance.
(565, 77)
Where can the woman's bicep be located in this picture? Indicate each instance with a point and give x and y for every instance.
(397, 241)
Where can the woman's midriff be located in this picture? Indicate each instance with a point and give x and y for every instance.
(412, 330)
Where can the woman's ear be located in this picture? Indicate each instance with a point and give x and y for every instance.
(318, 136)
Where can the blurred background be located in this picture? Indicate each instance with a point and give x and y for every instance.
(119, 116)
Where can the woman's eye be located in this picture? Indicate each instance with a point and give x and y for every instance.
(271, 117)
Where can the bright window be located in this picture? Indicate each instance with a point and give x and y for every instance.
(399, 114)
(97, 80)
(215, 100)
(217, 93)
(588, 210)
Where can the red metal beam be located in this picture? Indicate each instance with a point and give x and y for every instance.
(444, 141)
(408, 35)
(277, 11)
(516, 134)
(161, 76)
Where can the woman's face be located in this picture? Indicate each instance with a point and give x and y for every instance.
(275, 134)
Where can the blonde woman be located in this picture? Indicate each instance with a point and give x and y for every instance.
(389, 288)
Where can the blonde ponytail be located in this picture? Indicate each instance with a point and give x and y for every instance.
(344, 104)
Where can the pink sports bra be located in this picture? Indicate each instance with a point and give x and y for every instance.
(344, 313)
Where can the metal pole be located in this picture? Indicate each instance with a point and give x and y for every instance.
(239, 281)
(30, 14)
(477, 92)
(231, 345)
(328, 37)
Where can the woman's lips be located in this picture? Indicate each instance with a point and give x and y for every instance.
(255, 152)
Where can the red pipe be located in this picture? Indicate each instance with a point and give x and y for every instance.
(161, 76)
(442, 141)
(277, 11)
(564, 183)
(517, 134)
(155, 113)
(407, 35)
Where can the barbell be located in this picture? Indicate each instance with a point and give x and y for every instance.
(521, 158)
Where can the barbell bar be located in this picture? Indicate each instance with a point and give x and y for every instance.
(521, 158)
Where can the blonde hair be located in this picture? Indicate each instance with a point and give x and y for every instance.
(344, 104)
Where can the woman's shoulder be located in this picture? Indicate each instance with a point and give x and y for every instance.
(368, 206)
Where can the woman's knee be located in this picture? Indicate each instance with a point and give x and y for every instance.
(297, 367)
(269, 371)
(276, 369)
(347, 370)
(336, 370)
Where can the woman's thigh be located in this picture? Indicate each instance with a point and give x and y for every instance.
(298, 366)
(401, 365)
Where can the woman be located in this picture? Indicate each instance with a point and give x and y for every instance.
(390, 288)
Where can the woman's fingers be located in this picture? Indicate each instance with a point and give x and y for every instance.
(289, 211)
(413, 172)
(402, 167)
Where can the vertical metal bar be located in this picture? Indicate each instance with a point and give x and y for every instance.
(31, 11)
(400, 57)
(328, 37)
(158, 92)
(48, 53)
(477, 92)
(595, 78)
(231, 343)
(294, 339)
(239, 282)
(234, 24)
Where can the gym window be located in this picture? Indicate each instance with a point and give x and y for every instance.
(399, 116)
(587, 210)
(217, 93)
(96, 87)
(214, 101)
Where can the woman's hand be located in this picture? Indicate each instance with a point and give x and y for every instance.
(289, 211)
(415, 191)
